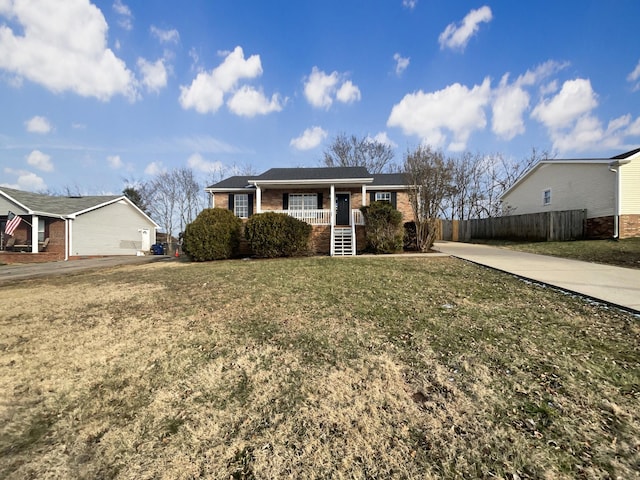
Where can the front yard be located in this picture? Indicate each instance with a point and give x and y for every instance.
(314, 368)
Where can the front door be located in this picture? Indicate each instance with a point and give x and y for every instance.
(343, 208)
(146, 240)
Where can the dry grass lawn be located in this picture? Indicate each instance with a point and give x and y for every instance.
(314, 368)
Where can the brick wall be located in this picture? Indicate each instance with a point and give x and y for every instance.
(599, 227)
(629, 226)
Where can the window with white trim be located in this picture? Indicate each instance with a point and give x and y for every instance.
(303, 201)
(546, 197)
(241, 205)
(41, 229)
(383, 197)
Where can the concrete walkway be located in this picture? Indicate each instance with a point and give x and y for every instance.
(613, 285)
(11, 273)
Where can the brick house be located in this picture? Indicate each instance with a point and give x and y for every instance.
(327, 198)
(63, 228)
(607, 188)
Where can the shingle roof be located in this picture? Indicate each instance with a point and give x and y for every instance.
(56, 205)
(385, 179)
(622, 156)
(238, 181)
(325, 173)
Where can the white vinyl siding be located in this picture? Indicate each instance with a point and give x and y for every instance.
(574, 186)
(630, 188)
(110, 230)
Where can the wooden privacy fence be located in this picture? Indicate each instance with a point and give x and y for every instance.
(545, 226)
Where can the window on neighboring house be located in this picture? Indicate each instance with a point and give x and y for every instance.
(546, 197)
(41, 230)
(383, 197)
(303, 201)
(241, 205)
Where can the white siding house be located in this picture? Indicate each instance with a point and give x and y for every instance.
(607, 188)
(57, 227)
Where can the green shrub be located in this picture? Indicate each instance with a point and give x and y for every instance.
(383, 228)
(213, 235)
(277, 235)
(410, 236)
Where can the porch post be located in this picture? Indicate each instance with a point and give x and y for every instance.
(332, 205)
(258, 199)
(364, 195)
(34, 234)
(213, 199)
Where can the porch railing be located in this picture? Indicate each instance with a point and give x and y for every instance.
(320, 216)
(312, 217)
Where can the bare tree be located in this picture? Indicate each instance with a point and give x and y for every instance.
(429, 177)
(173, 198)
(352, 151)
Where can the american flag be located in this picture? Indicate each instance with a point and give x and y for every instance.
(13, 221)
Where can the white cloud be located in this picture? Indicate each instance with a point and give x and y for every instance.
(126, 17)
(154, 75)
(40, 160)
(572, 125)
(457, 36)
(249, 102)
(38, 124)
(165, 36)
(320, 89)
(509, 104)
(382, 137)
(401, 63)
(348, 92)
(62, 46)
(410, 4)
(310, 138)
(456, 109)
(511, 100)
(576, 98)
(115, 162)
(197, 162)
(206, 92)
(634, 76)
(27, 181)
(154, 168)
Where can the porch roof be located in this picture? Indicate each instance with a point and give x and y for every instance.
(51, 205)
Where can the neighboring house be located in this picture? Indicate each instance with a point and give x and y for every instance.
(607, 188)
(327, 198)
(58, 227)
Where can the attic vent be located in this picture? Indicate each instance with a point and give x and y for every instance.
(74, 196)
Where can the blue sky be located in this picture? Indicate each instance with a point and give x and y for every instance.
(95, 92)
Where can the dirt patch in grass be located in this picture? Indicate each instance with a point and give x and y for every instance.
(621, 253)
(314, 368)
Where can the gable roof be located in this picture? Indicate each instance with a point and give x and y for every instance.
(577, 161)
(323, 173)
(310, 176)
(60, 206)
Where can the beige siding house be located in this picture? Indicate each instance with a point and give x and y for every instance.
(607, 188)
(62, 228)
(327, 198)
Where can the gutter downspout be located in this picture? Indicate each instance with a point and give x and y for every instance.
(66, 239)
(614, 167)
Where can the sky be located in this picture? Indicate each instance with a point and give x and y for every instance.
(97, 93)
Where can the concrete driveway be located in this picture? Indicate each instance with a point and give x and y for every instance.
(613, 285)
(11, 273)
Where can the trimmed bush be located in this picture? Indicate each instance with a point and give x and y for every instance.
(277, 235)
(383, 228)
(213, 235)
(410, 236)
